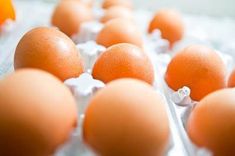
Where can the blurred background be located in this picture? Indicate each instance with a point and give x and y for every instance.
(220, 8)
(210, 7)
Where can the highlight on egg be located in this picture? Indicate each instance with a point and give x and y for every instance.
(116, 12)
(69, 15)
(170, 23)
(127, 118)
(50, 50)
(123, 61)
(199, 68)
(211, 124)
(124, 3)
(89, 3)
(37, 113)
(119, 30)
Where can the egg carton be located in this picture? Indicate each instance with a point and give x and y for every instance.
(179, 105)
(83, 89)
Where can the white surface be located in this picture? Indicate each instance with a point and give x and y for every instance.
(208, 7)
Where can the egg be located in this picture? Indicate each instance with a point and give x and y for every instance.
(212, 124)
(170, 23)
(109, 3)
(89, 3)
(69, 15)
(127, 118)
(116, 12)
(7, 11)
(199, 68)
(37, 113)
(231, 81)
(123, 61)
(119, 30)
(50, 50)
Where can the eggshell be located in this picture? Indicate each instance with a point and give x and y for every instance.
(231, 81)
(37, 113)
(123, 61)
(50, 50)
(109, 3)
(116, 12)
(89, 3)
(199, 68)
(127, 118)
(119, 30)
(7, 11)
(69, 14)
(212, 123)
(170, 23)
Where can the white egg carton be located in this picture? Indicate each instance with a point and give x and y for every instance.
(179, 105)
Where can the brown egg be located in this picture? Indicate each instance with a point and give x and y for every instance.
(199, 68)
(119, 30)
(231, 81)
(37, 113)
(50, 50)
(89, 3)
(127, 118)
(123, 61)
(212, 123)
(170, 23)
(109, 3)
(116, 12)
(69, 14)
